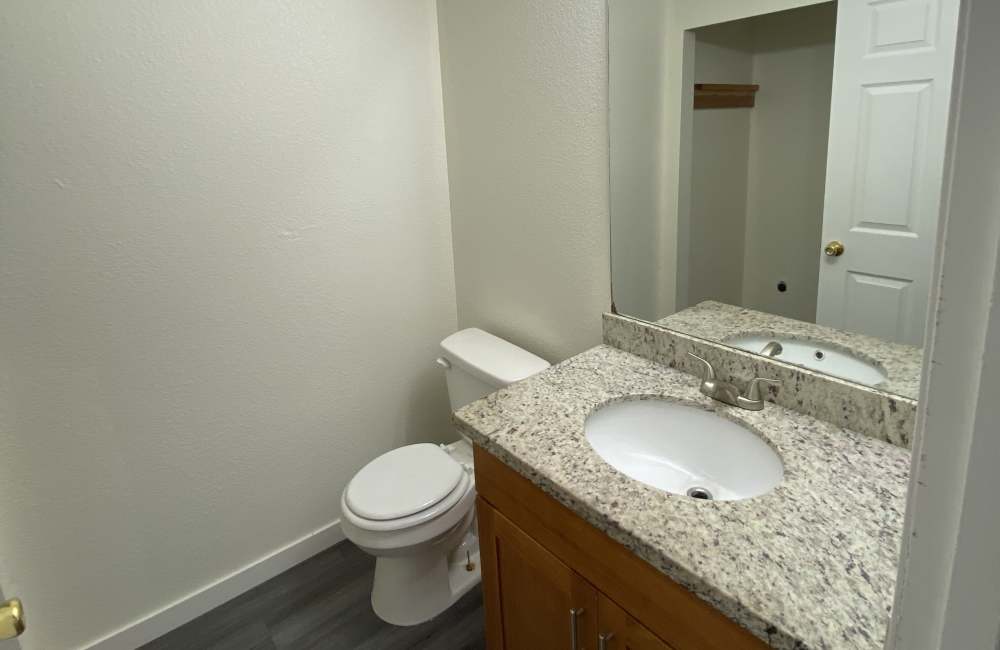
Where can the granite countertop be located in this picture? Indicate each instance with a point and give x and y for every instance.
(810, 565)
(717, 321)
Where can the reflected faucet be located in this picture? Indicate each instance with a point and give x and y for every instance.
(772, 349)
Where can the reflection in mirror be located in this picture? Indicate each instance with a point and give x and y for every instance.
(776, 178)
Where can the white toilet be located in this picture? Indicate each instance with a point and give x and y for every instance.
(413, 508)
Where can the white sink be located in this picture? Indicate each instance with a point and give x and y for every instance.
(683, 449)
(816, 356)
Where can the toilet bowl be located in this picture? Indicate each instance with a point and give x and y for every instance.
(413, 508)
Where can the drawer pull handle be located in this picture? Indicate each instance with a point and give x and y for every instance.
(602, 640)
(574, 617)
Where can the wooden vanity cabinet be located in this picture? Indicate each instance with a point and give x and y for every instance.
(548, 574)
(532, 599)
(535, 601)
(620, 631)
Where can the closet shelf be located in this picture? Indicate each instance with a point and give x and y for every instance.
(724, 95)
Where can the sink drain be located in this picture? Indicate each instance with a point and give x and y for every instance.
(699, 493)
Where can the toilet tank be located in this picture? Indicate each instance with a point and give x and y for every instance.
(477, 363)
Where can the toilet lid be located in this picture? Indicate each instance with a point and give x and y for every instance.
(403, 482)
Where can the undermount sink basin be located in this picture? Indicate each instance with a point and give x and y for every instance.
(683, 449)
(816, 356)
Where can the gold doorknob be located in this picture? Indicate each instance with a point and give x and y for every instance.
(834, 249)
(11, 619)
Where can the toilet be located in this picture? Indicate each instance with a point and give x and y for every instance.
(413, 508)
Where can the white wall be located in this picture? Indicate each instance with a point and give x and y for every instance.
(720, 149)
(636, 30)
(789, 130)
(225, 266)
(525, 95)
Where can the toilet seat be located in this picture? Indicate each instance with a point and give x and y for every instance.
(439, 489)
(465, 484)
(403, 482)
(428, 527)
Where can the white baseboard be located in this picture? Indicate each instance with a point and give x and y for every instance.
(198, 602)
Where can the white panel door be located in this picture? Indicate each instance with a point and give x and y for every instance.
(889, 116)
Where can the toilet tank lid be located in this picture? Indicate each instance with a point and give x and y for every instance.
(491, 358)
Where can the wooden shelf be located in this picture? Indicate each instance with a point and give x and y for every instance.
(725, 95)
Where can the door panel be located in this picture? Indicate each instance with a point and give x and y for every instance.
(891, 92)
(532, 592)
(622, 632)
(901, 26)
(878, 304)
(893, 134)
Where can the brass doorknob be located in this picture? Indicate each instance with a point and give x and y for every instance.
(11, 619)
(834, 249)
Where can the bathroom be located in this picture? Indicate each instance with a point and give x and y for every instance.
(248, 249)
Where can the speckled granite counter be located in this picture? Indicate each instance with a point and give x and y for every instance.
(810, 565)
(717, 321)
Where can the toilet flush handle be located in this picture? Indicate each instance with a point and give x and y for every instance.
(444, 363)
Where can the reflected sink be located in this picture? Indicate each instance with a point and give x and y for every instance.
(817, 356)
(683, 449)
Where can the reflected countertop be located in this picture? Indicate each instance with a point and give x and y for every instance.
(717, 321)
(811, 564)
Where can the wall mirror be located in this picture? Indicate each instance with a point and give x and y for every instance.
(776, 174)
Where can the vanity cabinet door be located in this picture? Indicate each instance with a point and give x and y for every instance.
(533, 600)
(619, 631)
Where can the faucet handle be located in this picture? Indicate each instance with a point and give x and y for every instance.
(753, 389)
(709, 370)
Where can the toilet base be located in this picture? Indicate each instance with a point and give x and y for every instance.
(412, 589)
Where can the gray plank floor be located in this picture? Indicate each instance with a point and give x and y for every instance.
(323, 603)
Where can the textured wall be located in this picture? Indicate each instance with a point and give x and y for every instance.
(525, 95)
(225, 266)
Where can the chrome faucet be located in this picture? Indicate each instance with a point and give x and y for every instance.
(728, 393)
(772, 349)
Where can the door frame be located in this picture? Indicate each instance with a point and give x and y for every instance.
(947, 593)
